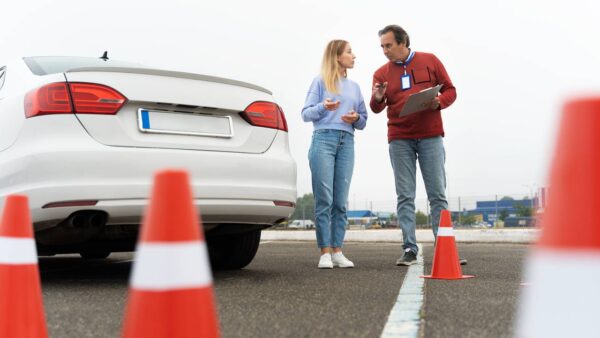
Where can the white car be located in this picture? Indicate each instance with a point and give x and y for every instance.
(301, 224)
(83, 137)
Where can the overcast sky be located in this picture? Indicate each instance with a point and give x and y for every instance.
(513, 62)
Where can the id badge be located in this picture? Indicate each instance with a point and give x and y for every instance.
(405, 79)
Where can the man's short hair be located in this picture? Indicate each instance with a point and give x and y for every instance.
(400, 34)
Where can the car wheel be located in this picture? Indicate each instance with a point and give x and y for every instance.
(228, 252)
(95, 254)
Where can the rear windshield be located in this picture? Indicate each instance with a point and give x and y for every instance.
(44, 65)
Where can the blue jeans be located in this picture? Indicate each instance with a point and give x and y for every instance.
(331, 159)
(431, 156)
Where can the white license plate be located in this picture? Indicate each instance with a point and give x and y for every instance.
(151, 121)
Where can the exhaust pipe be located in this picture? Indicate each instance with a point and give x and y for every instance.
(79, 227)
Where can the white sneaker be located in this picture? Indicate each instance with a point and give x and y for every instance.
(325, 262)
(339, 260)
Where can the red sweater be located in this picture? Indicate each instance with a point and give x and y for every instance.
(425, 71)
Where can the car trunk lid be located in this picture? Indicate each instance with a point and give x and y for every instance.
(175, 110)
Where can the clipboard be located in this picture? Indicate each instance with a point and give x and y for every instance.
(420, 101)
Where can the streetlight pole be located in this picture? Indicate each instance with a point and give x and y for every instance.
(459, 212)
(531, 187)
(497, 216)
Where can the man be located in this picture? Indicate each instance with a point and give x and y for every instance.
(413, 137)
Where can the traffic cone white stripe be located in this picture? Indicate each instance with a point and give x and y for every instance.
(563, 296)
(170, 266)
(445, 231)
(17, 251)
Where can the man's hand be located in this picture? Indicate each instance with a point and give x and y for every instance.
(331, 105)
(379, 91)
(350, 117)
(435, 103)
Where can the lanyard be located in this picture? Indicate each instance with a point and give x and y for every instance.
(407, 61)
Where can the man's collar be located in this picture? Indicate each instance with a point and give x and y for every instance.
(411, 54)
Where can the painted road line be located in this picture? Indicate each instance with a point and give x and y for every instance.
(405, 318)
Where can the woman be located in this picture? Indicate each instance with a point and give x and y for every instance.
(335, 106)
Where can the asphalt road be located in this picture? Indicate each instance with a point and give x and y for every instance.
(282, 293)
(483, 306)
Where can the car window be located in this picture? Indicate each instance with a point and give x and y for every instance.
(2, 76)
(44, 65)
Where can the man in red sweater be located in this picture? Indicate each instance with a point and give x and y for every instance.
(413, 137)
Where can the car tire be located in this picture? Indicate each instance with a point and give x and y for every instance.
(231, 252)
(95, 254)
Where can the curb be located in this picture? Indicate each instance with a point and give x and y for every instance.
(517, 236)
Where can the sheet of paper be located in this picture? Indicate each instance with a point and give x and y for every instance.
(420, 101)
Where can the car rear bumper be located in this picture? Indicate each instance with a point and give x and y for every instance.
(227, 187)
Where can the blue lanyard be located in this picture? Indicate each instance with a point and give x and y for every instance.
(407, 61)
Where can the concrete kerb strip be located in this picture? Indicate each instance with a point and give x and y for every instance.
(423, 235)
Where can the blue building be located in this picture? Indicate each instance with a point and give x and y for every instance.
(491, 210)
(360, 216)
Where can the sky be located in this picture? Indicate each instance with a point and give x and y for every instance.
(514, 64)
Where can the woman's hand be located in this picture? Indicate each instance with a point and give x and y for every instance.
(331, 105)
(350, 117)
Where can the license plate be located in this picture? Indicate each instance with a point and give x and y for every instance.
(160, 122)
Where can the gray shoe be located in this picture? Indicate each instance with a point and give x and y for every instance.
(408, 258)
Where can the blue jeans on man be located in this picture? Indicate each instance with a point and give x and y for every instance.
(331, 159)
(431, 155)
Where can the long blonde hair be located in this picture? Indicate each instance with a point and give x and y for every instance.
(330, 68)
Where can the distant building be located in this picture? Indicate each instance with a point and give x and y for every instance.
(360, 217)
(490, 211)
(518, 222)
(385, 217)
(543, 199)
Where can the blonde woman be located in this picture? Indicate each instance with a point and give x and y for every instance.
(335, 106)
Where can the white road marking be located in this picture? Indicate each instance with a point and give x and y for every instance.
(405, 319)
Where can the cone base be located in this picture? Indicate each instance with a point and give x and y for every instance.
(184, 313)
(21, 306)
(448, 278)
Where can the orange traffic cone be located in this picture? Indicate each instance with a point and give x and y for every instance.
(171, 291)
(21, 308)
(445, 257)
(564, 267)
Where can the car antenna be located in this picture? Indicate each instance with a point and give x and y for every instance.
(105, 56)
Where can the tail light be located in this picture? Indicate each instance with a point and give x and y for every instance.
(265, 114)
(49, 99)
(79, 98)
(89, 98)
